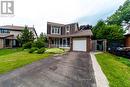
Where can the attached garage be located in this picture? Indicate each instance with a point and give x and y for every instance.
(79, 44)
(81, 41)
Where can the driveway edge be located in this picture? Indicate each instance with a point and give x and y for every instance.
(101, 80)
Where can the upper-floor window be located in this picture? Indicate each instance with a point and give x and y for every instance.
(67, 29)
(55, 30)
(4, 31)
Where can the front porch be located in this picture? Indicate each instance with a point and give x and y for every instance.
(59, 42)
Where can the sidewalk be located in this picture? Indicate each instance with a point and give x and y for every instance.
(100, 77)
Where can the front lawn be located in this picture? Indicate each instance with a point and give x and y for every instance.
(55, 50)
(11, 59)
(9, 51)
(116, 69)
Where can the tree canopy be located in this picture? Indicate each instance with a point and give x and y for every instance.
(85, 27)
(109, 32)
(122, 14)
(41, 41)
(25, 36)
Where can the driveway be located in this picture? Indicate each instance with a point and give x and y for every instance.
(71, 70)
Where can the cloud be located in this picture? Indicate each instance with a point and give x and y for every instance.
(99, 9)
(38, 12)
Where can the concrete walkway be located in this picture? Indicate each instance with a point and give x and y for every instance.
(71, 70)
(100, 77)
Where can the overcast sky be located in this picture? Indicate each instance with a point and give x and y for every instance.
(38, 12)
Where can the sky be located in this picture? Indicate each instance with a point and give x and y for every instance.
(38, 12)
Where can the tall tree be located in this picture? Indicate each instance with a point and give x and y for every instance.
(109, 32)
(41, 41)
(25, 36)
(122, 14)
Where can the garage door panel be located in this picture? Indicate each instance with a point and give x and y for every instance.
(79, 44)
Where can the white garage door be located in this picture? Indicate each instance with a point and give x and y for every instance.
(79, 44)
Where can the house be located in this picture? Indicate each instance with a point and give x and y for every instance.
(68, 36)
(127, 36)
(9, 33)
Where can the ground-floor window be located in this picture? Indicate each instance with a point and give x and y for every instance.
(60, 42)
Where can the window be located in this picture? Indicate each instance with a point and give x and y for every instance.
(67, 29)
(55, 30)
(4, 31)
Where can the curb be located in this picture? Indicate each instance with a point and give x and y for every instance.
(101, 80)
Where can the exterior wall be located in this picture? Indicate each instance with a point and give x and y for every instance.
(72, 28)
(1, 43)
(48, 29)
(89, 45)
(127, 41)
(62, 30)
(15, 33)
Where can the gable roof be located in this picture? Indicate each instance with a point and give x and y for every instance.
(12, 27)
(58, 24)
(55, 24)
(82, 33)
(3, 35)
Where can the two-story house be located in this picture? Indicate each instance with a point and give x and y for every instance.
(9, 33)
(68, 36)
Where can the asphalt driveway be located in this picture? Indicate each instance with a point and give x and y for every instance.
(71, 70)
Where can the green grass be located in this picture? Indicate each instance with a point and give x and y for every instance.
(116, 69)
(9, 51)
(55, 50)
(18, 59)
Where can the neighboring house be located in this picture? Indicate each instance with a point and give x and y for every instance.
(68, 36)
(9, 33)
(127, 36)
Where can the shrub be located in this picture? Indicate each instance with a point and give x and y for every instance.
(33, 49)
(40, 51)
(38, 44)
(27, 45)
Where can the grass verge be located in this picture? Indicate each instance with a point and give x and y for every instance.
(116, 69)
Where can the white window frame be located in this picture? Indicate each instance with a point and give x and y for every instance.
(67, 30)
(56, 29)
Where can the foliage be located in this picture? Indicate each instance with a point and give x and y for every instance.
(9, 62)
(85, 27)
(41, 50)
(109, 32)
(116, 69)
(33, 49)
(27, 45)
(55, 50)
(25, 36)
(122, 14)
(41, 41)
